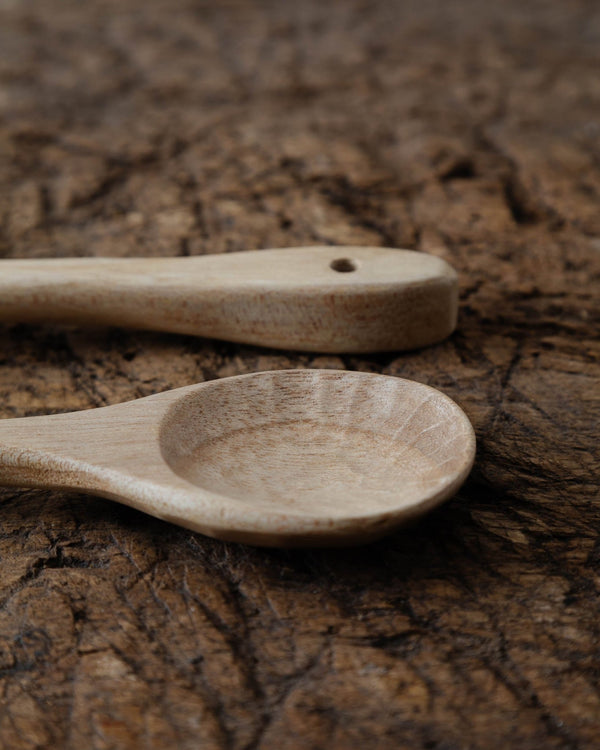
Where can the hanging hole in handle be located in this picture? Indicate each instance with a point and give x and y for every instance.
(343, 265)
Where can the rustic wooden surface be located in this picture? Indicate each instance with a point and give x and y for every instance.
(466, 129)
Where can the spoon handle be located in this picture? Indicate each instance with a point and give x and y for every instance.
(83, 449)
(34, 451)
(323, 299)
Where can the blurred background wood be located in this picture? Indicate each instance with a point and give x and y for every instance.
(464, 129)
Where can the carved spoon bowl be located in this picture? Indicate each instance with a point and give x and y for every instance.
(282, 458)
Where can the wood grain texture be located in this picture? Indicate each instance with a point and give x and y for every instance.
(320, 299)
(464, 129)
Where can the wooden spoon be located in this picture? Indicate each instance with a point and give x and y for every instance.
(283, 458)
(322, 299)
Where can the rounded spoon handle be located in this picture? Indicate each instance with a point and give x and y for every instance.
(34, 451)
(68, 450)
(322, 299)
(111, 451)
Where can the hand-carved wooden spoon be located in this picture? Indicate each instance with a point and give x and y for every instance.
(322, 299)
(283, 458)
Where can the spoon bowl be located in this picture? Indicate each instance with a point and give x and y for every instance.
(283, 458)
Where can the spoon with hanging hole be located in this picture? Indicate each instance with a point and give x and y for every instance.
(320, 299)
(282, 458)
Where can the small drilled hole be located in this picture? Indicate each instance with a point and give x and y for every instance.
(343, 265)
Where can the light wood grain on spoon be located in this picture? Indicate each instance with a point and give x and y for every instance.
(322, 299)
(286, 458)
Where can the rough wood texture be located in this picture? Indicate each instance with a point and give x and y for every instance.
(466, 129)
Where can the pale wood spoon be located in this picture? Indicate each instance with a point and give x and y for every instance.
(322, 299)
(282, 458)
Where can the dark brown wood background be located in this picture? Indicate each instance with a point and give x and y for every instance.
(467, 129)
